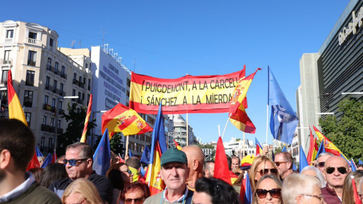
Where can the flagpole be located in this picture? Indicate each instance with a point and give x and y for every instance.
(127, 147)
(187, 139)
(225, 127)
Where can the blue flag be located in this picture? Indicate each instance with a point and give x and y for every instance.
(246, 196)
(102, 155)
(283, 120)
(352, 165)
(145, 157)
(47, 160)
(130, 153)
(39, 153)
(284, 149)
(303, 162)
(321, 149)
(158, 135)
(360, 162)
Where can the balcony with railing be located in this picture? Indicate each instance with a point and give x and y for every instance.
(49, 67)
(6, 61)
(48, 107)
(28, 102)
(63, 75)
(75, 81)
(31, 63)
(33, 41)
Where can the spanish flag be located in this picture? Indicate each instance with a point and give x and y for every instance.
(84, 136)
(16, 112)
(313, 149)
(14, 106)
(123, 119)
(329, 146)
(238, 115)
(177, 145)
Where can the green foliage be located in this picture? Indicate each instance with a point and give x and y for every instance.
(278, 150)
(75, 119)
(116, 145)
(345, 128)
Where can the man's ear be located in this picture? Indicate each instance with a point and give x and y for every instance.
(195, 165)
(89, 163)
(5, 158)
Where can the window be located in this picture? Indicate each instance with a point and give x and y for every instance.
(49, 63)
(63, 71)
(10, 33)
(89, 84)
(53, 102)
(7, 57)
(4, 76)
(56, 65)
(32, 57)
(59, 124)
(32, 35)
(51, 42)
(44, 120)
(73, 92)
(28, 98)
(60, 104)
(61, 87)
(52, 123)
(28, 117)
(46, 99)
(50, 142)
(29, 78)
(80, 79)
(55, 84)
(42, 142)
(74, 76)
(47, 82)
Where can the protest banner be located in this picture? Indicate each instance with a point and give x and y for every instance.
(187, 94)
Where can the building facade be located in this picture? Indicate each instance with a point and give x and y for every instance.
(177, 130)
(43, 77)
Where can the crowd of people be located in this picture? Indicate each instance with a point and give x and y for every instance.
(187, 177)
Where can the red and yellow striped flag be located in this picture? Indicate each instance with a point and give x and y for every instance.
(14, 106)
(238, 115)
(313, 149)
(329, 146)
(16, 112)
(123, 119)
(84, 137)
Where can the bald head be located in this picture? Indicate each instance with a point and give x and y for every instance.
(336, 169)
(195, 158)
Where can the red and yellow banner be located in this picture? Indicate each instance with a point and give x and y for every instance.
(329, 146)
(188, 94)
(123, 119)
(14, 106)
(84, 136)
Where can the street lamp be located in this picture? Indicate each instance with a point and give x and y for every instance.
(56, 117)
(352, 93)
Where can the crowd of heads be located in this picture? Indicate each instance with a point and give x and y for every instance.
(186, 175)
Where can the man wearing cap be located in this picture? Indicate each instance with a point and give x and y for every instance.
(174, 173)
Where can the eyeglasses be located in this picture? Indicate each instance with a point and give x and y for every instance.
(136, 200)
(262, 193)
(266, 171)
(314, 196)
(74, 162)
(341, 170)
(279, 163)
(320, 164)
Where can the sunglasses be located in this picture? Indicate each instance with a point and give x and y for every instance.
(74, 162)
(341, 170)
(262, 193)
(136, 200)
(266, 171)
(321, 164)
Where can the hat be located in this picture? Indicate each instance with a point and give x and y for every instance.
(173, 155)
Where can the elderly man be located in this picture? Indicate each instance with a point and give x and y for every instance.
(336, 169)
(283, 161)
(78, 163)
(301, 189)
(195, 158)
(17, 147)
(174, 172)
(320, 162)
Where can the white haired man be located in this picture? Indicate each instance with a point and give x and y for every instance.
(301, 189)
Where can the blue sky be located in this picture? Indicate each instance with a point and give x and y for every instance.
(171, 38)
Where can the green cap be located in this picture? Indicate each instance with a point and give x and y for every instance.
(173, 155)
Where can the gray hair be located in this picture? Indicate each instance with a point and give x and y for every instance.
(318, 173)
(297, 184)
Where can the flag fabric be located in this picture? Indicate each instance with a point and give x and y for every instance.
(130, 153)
(34, 163)
(352, 165)
(258, 147)
(329, 146)
(158, 147)
(283, 120)
(237, 112)
(321, 149)
(89, 110)
(360, 162)
(246, 191)
(123, 119)
(142, 172)
(357, 199)
(313, 149)
(102, 155)
(145, 157)
(38, 152)
(303, 162)
(54, 157)
(14, 106)
(177, 146)
(221, 170)
(47, 160)
(284, 149)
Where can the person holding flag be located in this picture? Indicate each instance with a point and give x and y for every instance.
(174, 172)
